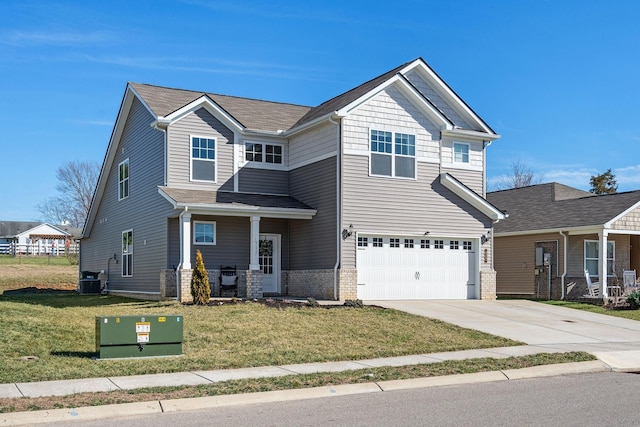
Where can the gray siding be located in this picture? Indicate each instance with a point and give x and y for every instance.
(320, 142)
(199, 123)
(313, 242)
(144, 211)
(472, 179)
(385, 205)
(263, 181)
(233, 235)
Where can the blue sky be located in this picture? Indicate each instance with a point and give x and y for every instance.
(559, 80)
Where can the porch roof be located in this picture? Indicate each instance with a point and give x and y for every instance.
(237, 204)
(554, 206)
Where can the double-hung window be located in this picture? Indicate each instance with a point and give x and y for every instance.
(591, 253)
(203, 159)
(393, 154)
(127, 253)
(123, 179)
(460, 152)
(204, 233)
(263, 153)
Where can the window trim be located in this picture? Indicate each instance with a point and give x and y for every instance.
(214, 161)
(123, 180)
(128, 253)
(453, 153)
(613, 260)
(215, 233)
(393, 154)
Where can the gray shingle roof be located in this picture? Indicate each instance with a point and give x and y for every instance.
(10, 229)
(557, 206)
(196, 197)
(251, 113)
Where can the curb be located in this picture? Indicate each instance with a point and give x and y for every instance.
(188, 404)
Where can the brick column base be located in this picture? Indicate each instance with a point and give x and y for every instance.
(184, 285)
(488, 285)
(254, 284)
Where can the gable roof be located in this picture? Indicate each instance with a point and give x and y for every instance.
(250, 113)
(10, 229)
(554, 206)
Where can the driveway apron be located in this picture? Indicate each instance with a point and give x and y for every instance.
(531, 322)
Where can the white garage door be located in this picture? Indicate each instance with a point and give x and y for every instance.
(416, 268)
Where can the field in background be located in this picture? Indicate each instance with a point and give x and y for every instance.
(41, 272)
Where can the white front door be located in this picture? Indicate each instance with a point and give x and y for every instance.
(269, 256)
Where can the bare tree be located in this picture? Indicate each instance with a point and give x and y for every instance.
(76, 183)
(521, 176)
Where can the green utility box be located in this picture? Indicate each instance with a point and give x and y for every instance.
(138, 336)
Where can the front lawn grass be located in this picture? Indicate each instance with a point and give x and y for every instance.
(618, 312)
(51, 336)
(55, 272)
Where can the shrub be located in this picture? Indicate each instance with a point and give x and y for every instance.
(355, 303)
(634, 299)
(200, 290)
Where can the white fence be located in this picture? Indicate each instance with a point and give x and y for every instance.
(38, 248)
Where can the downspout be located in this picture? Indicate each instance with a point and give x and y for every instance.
(564, 273)
(338, 207)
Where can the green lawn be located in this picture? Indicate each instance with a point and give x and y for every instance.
(59, 330)
(625, 313)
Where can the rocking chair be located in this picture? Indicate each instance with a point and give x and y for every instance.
(228, 280)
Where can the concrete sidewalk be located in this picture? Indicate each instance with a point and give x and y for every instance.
(67, 387)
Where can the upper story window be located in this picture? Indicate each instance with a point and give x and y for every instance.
(263, 153)
(460, 152)
(393, 156)
(203, 159)
(123, 180)
(204, 233)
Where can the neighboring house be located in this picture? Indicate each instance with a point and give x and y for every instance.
(377, 193)
(571, 226)
(36, 238)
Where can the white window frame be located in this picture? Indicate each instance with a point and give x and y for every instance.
(377, 242)
(215, 232)
(214, 160)
(263, 163)
(394, 154)
(363, 241)
(127, 255)
(612, 260)
(468, 153)
(123, 183)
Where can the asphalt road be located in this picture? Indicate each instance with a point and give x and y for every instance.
(572, 400)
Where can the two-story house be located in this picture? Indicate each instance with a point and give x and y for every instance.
(377, 193)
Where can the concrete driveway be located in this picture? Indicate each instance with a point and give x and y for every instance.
(537, 324)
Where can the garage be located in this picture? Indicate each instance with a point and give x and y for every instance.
(405, 267)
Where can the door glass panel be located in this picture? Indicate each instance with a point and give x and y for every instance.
(266, 256)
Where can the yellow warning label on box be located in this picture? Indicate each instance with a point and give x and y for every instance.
(143, 327)
(162, 319)
(143, 337)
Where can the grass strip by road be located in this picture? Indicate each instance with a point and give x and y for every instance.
(290, 382)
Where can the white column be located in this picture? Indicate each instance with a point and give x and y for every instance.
(185, 241)
(602, 263)
(255, 243)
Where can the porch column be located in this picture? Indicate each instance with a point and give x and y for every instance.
(185, 241)
(255, 243)
(602, 263)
